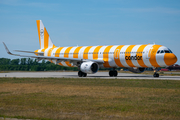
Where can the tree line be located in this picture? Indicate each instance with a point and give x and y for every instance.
(28, 64)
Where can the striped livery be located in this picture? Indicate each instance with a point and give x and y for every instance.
(90, 58)
(113, 55)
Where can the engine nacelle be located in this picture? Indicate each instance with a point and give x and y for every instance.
(136, 70)
(89, 67)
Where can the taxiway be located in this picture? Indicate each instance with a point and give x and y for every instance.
(102, 75)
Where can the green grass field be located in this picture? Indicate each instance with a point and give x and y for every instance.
(89, 99)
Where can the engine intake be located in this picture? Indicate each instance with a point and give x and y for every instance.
(89, 67)
(136, 70)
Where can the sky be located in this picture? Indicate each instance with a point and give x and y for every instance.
(90, 22)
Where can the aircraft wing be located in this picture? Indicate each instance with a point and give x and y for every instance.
(59, 59)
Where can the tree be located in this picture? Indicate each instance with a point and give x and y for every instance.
(5, 61)
(23, 61)
(15, 62)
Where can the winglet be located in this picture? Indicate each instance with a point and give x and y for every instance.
(7, 50)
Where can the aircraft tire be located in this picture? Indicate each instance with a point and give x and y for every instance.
(156, 75)
(115, 73)
(80, 74)
(111, 73)
(84, 75)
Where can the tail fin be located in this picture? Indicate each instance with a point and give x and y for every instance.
(44, 39)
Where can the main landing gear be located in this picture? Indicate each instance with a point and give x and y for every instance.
(82, 74)
(113, 73)
(155, 73)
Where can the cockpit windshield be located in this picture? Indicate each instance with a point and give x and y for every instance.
(164, 51)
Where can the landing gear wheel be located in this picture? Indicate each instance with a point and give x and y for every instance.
(113, 73)
(82, 74)
(156, 75)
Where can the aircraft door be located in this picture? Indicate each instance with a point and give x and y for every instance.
(117, 54)
(148, 52)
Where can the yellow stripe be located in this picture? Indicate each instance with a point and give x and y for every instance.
(106, 56)
(58, 51)
(76, 52)
(50, 51)
(54, 46)
(46, 38)
(117, 54)
(43, 50)
(60, 64)
(140, 51)
(153, 55)
(96, 51)
(66, 53)
(85, 54)
(36, 51)
(68, 64)
(38, 27)
(127, 53)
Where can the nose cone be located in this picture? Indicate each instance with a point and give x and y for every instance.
(170, 59)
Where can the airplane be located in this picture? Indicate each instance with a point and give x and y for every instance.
(90, 58)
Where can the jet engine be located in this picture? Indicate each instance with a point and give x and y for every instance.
(89, 67)
(136, 70)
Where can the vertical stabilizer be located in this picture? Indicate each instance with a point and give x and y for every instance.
(44, 39)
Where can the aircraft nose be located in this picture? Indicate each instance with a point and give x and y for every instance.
(170, 59)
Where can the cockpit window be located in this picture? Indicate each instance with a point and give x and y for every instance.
(167, 51)
(164, 51)
(170, 51)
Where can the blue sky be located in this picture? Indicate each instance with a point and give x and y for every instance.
(90, 22)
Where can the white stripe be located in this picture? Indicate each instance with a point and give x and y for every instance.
(46, 52)
(90, 56)
(100, 54)
(71, 52)
(64, 64)
(122, 56)
(145, 59)
(111, 57)
(81, 51)
(50, 44)
(42, 34)
(135, 62)
(53, 52)
(62, 51)
(160, 57)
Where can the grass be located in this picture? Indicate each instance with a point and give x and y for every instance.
(63, 98)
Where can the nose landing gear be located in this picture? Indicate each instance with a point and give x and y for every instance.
(155, 73)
